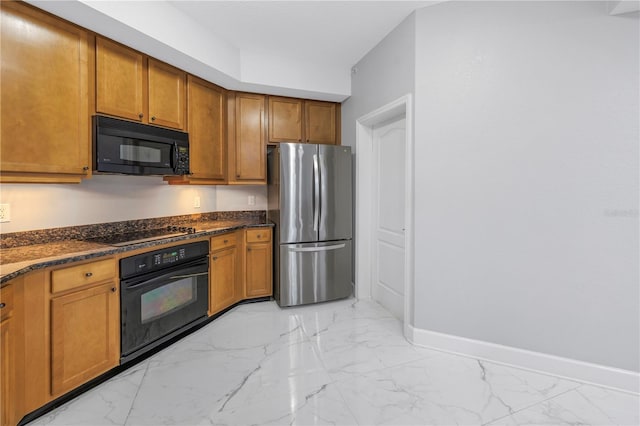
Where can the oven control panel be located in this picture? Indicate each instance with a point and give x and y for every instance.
(163, 258)
(170, 256)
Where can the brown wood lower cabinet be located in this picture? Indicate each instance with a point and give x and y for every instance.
(240, 267)
(258, 264)
(85, 328)
(7, 358)
(224, 279)
(60, 326)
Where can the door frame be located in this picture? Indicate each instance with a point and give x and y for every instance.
(365, 168)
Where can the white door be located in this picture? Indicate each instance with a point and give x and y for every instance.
(388, 215)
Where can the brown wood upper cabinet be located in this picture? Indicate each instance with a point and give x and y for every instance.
(298, 120)
(132, 86)
(206, 115)
(46, 94)
(247, 138)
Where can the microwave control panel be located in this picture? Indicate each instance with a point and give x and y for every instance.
(182, 160)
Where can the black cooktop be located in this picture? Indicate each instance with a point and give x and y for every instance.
(141, 236)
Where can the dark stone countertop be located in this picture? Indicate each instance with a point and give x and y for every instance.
(15, 261)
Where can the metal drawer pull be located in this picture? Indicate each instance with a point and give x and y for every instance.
(189, 275)
(2, 305)
(113, 289)
(88, 274)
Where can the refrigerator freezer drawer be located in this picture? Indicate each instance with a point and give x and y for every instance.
(314, 272)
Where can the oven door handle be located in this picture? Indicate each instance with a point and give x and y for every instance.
(175, 277)
(196, 269)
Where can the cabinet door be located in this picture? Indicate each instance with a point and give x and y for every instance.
(223, 279)
(249, 139)
(320, 120)
(207, 136)
(44, 96)
(85, 328)
(166, 95)
(7, 371)
(258, 270)
(285, 119)
(120, 85)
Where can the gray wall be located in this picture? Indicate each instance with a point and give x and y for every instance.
(526, 144)
(385, 74)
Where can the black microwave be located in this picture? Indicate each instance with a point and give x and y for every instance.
(138, 149)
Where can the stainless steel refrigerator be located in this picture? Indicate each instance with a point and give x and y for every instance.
(310, 202)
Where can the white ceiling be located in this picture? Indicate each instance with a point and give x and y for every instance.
(290, 48)
(323, 32)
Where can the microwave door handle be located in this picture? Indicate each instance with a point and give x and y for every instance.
(174, 163)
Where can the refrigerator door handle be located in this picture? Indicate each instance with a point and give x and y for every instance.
(316, 193)
(323, 248)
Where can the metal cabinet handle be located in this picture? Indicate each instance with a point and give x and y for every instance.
(140, 115)
(153, 118)
(113, 289)
(2, 305)
(215, 257)
(85, 168)
(88, 274)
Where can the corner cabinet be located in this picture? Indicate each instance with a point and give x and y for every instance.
(85, 323)
(132, 86)
(258, 263)
(206, 124)
(298, 120)
(46, 97)
(247, 138)
(240, 267)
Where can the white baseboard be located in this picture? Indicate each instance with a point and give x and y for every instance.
(567, 368)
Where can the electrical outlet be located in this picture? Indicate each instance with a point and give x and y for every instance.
(252, 200)
(196, 202)
(5, 212)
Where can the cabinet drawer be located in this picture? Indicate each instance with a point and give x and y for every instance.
(6, 301)
(258, 235)
(222, 241)
(80, 275)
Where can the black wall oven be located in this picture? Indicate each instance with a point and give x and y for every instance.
(163, 293)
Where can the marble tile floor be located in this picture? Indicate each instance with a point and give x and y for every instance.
(337, 363)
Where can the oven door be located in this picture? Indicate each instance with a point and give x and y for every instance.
(156, 307)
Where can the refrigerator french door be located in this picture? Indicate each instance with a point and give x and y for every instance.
(310, 201)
